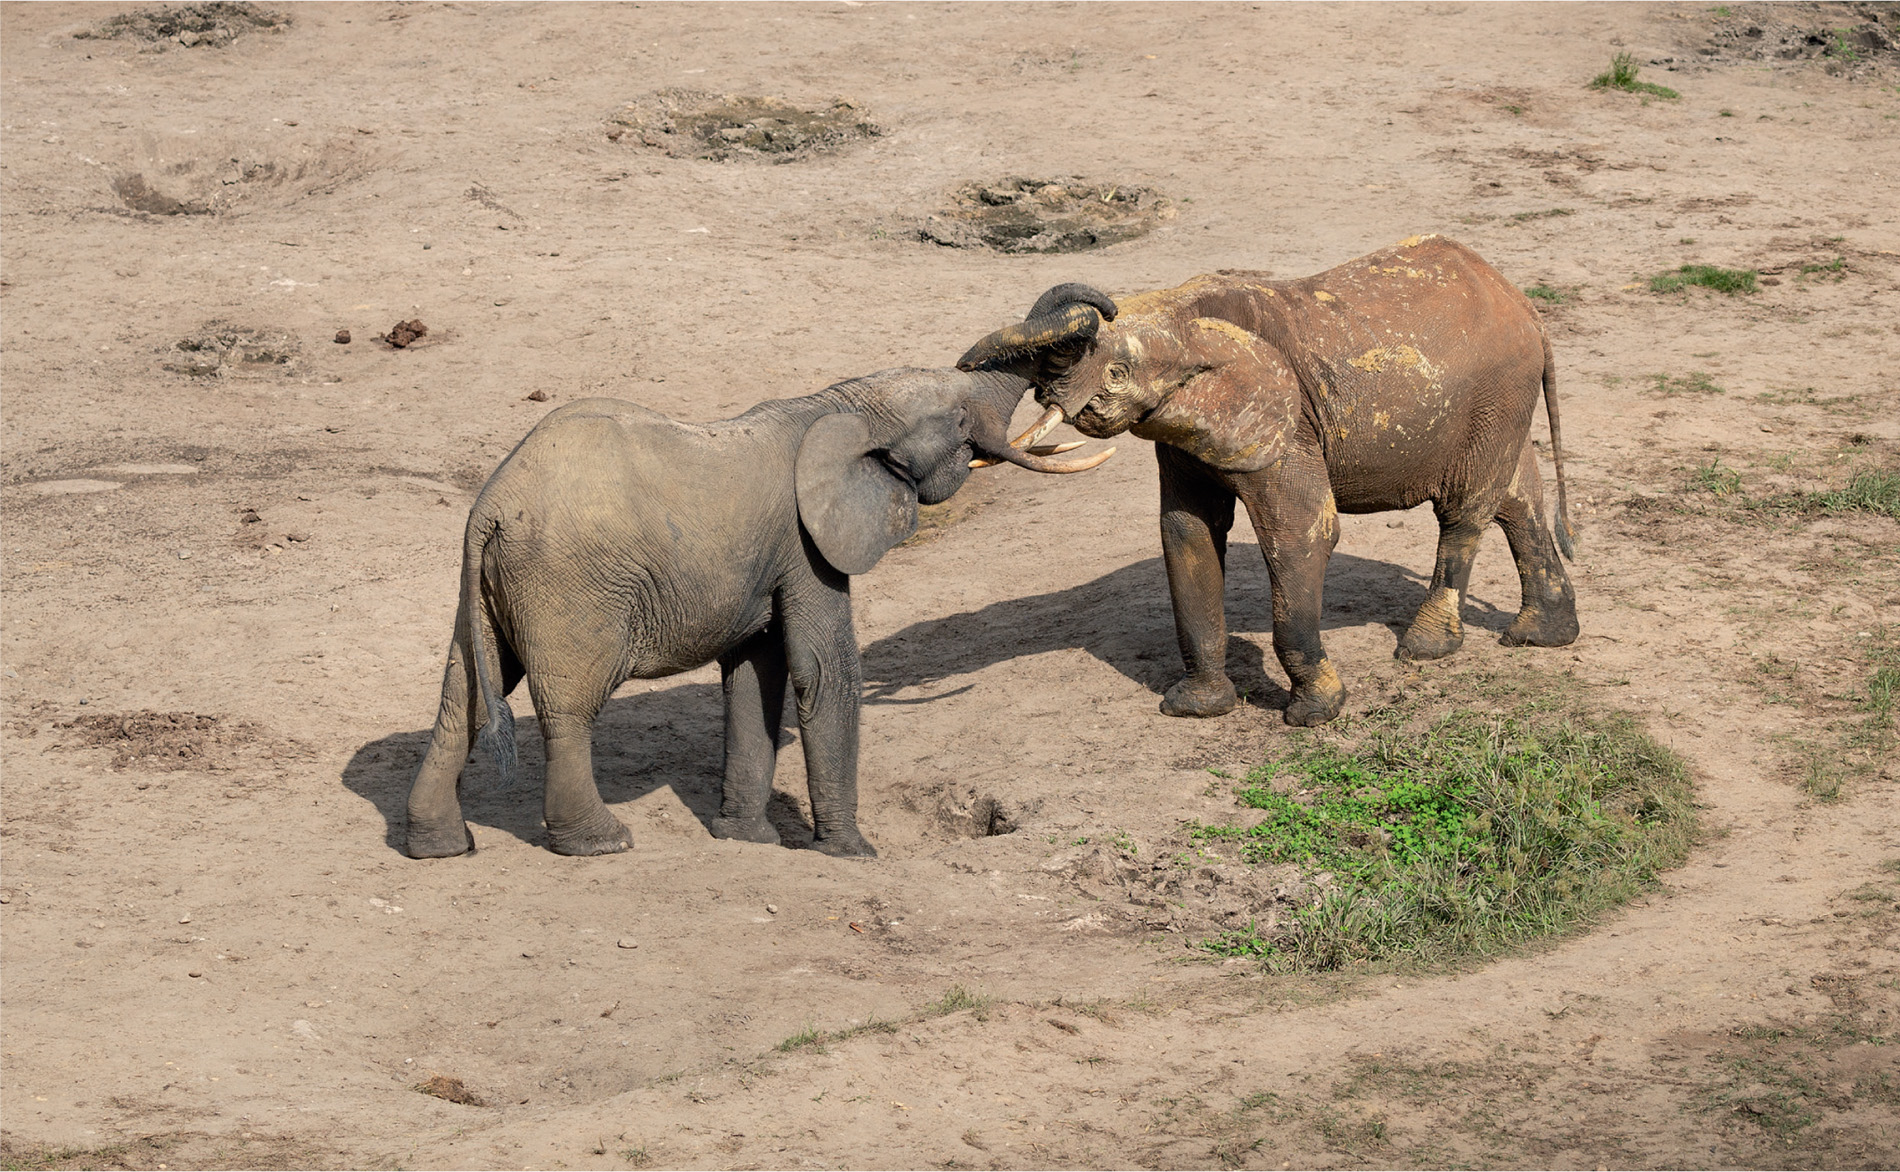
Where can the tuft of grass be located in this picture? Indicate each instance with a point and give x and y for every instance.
(1721, 280)
(1547, 213)
(1478, 834)
(1547, 294)
(1836, 268)
(1621, 75)
(1715, 480)
(1872, 490)
(957, 998)
(809, 1038)
(1238, 943)
(1696, 382)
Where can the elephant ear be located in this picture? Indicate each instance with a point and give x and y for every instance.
(1239, 410)
(853, 505)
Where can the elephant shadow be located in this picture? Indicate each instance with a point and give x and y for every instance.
(1125, 619)
(673, 735)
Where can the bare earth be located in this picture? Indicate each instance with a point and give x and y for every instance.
(215, 953)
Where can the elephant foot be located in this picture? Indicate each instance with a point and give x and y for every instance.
(745, 829)
(1317, 702)
(608, 839)
(1199, 696)
(1532, 628)
(844, 844)
(439, 842)
(1428, 644)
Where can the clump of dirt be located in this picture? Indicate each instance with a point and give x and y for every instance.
(692, 124)
(1045, 215)
(1848, 39)
(448, 1089)
(404, 334)
(214, 24)
(162, 740)
(220, 349)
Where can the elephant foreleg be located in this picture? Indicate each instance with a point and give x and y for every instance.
(1298, 526)
(822, 654)
(754, 680)
(1196, 514)
(1548, 615)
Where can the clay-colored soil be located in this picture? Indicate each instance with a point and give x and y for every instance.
(239, 539)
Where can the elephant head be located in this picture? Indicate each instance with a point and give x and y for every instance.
(899, 439)
(1201, 384)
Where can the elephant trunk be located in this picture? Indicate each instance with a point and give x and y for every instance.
(1010, 346)
(989, 418)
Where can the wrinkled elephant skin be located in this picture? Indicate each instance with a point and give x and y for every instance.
(1405, 376)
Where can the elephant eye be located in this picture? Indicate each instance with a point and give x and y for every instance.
(1118, 372)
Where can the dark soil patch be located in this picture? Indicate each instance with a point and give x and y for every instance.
(1045, 215)
(162, 740)
(214, 24)
(222, 349)
(691, 124)
(139, 196)
(452, 1090)
(1848, 39)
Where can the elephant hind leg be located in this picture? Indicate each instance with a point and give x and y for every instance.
(1548, 615)
(435, 826)
(1438, 628)
(570, 676)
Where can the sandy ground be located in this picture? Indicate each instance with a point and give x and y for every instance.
(222, 959)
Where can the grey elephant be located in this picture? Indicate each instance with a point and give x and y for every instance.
(1405, 376)
(614, 543)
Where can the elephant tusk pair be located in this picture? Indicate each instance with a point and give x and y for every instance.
(1043, 427)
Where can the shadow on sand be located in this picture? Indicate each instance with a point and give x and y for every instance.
(672, 736)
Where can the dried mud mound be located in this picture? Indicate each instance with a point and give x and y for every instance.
(162, 740)
(209, 25)
(1848, 39)
(689, 124)
(1045, 215)
(220, 349)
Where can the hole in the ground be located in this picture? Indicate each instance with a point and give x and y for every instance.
(193, 177)
(691, 124)
(1045, 215)
(221, 349)
(971, 814)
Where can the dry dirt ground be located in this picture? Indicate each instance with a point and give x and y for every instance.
(231, 544)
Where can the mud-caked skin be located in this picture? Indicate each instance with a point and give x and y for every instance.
(1406, 376)
(616, 544)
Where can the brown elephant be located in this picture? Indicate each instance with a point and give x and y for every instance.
(1407, 375)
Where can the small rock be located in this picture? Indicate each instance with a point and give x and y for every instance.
(537, 396)
(527, 956)
(1395, 524)
(771, 909)
(628, 942)
(184, 919)
(299, 537)
(184, 555)
(249, 517)
(343, 337)
(1771, 280)
(194, 973)
(1767, 428)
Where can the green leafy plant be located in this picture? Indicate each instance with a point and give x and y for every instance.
(1476, 834)
(1621, 75)
(1708, 277)
(1836, 268)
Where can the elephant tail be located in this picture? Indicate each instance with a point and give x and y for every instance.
(1565, 541)
(498, 718)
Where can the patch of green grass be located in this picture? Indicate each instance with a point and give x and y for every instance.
(1872, 490)
(957, 998)
(1715, 480)
(809, 1038)
(1696, 382)
(1548, 294)
(1547, 213)
(1837, 268)
(1476, 834)
(1621, 75)
(1238, 943)
(1721, 280)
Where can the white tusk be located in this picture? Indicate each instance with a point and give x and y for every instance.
(984, 462)
(1054, 449)
(1043, 427)
(1083, 465)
